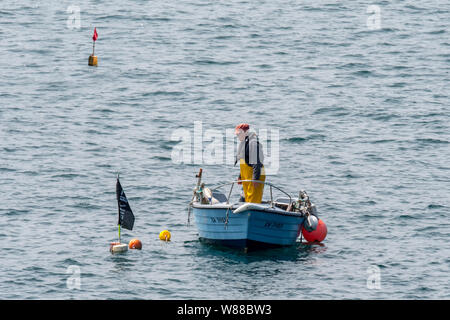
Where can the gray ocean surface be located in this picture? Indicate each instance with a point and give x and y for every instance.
(362, 114)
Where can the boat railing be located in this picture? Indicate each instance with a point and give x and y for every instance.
(257, 181)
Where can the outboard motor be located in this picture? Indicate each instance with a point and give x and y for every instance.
(314, 229)
(305, 206)
(309, 211)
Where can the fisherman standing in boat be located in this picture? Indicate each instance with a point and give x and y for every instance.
(250, 155)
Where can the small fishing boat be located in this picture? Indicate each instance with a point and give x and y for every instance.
(271, 223)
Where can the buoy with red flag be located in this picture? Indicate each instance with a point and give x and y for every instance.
(93, 58)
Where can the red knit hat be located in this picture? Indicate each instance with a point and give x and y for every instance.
(243, 126)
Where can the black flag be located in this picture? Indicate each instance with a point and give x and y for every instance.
(126, 217)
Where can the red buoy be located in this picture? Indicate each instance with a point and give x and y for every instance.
(317, 235)
(135, 244)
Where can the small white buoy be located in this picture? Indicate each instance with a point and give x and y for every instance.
(118, 247)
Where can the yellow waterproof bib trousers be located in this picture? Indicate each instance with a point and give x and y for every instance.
(252, 193)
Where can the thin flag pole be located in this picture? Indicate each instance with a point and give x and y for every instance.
(94, 38)
(118, 200)
(125, 214)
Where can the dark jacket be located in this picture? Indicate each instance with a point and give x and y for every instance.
(252, 152)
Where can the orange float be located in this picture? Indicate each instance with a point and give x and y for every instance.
(135, 244)
(316, 235)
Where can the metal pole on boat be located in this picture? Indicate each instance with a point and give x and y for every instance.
(271, 197)
(118, 202)
(229, 194)
(199, 176)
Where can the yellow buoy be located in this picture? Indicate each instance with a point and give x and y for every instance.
(93, 60)
(164, 235)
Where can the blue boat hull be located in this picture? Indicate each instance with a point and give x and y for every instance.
(250, 228)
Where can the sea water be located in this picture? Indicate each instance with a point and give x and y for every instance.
(354, 94)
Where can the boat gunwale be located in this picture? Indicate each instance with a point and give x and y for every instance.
(234, 206)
